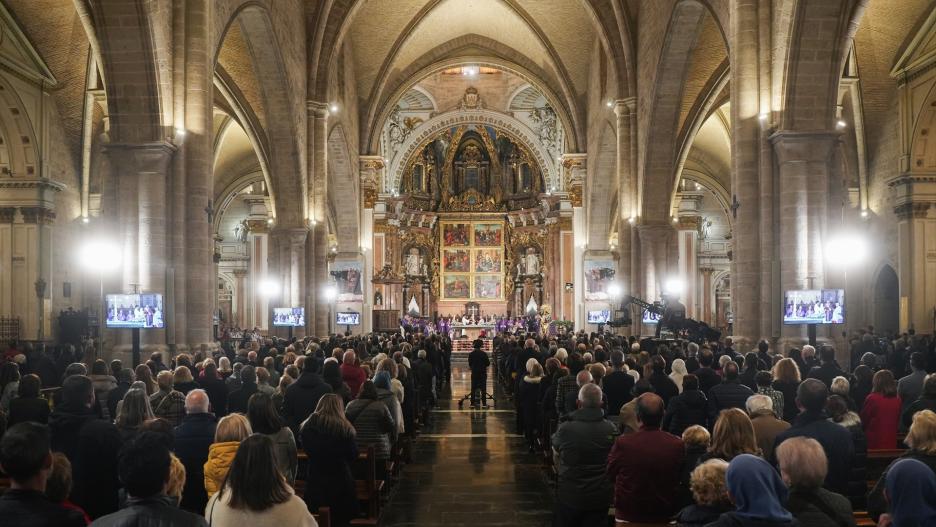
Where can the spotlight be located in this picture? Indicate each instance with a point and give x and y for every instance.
(864, 213)
(269, 221)
(333, 108)
(331, 292)
(673, 286)
(614, 290)
(85, 219)
(610, 103)
(269, 287)
(675, 219)
(312, 222)
(632, 220)
(852, 244)
(180, 132)
(763, 116)
(840, 124)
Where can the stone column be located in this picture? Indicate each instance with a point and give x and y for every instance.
(258, 248)
(688, 246)
(746, 86)
(575, 167)
(916, 221)
(319, 237)
(625, 111)
(708, 296)
(803, 159)
(198, 62)
(239, 305)
(655, 242)
(371, 168)
(317, 253)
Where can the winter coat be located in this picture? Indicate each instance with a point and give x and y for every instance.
(220, 457)
(686, 409)
(193, 438)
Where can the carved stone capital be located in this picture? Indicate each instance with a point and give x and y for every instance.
(7, 214)
(912, 210)
(794, 146)
(38, 215)
(142, 158)
(317, 110)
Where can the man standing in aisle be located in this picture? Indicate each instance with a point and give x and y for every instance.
(478, 362)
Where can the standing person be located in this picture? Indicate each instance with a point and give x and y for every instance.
(686, 409)
(134, 412)
(254, 493)
(352, 373)
(478, 362)
(707, 483)
(729, 394)
(167, 403)
(91, 444)
(231, 430)
(910, 388)
(528, 402)
(911, 493)
(765, 422)
(104, 383)
(646, 467)
(803, 468)
(145, 470)
(193, 438)
(238, 399)
(329, 441)
(758, 494)
(265, 420)
(581, 445)
(881, 412)
(28, 406)
(26, 457)
(373, 424)
(124, 381)
(811, 397)
(829, 369)
(837, 409)
(303, 395)
(617, 385)
(212, 382)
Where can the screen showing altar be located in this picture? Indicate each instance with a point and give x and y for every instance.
(814, 306)
(472, 260)
(348, 319)
(135, 311)
(289, 316)
(599, 317)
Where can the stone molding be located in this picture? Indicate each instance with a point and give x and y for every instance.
(7, 214)
(793, 146)
(145, 158)
(912, 210)
(317, 110)
(38, 215)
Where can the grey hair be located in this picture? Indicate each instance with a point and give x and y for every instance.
(196, 402)
(758, 402)
(840, 386)
(590, 396)
(583, 378)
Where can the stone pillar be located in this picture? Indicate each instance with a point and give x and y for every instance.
(708, 296)
(239, 304)
(575, 167)
(746, 107)
(258, 248)
(655, 242)
(317, 252)
(803, 159)
(625, 111)
(371, 168)
(199, 89)
(687, 237)
(916, 221)
(319, 237)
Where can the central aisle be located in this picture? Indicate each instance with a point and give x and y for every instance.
(470, 467)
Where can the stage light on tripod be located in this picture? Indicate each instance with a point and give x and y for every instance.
(614, 290)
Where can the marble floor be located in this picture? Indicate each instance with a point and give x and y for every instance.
(470, 467)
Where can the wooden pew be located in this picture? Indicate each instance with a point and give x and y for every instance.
(879, 460)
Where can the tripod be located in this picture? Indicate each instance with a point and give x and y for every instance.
(484, 395)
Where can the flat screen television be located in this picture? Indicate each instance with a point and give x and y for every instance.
(348, 318)
(599, 317)
(289, 316)
(142, 310)
(649, 317)
(814, 306)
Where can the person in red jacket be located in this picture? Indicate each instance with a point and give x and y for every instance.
(646, 467)
(881, 412)
(352, 373)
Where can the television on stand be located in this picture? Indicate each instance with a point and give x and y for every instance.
(290, 317)
(347, 318)
(814, 306)
(599, 317)
(135, 311)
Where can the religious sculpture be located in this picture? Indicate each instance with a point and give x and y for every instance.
(414, 263)
(240, 231)
(529, 264)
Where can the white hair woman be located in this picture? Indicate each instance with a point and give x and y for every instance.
(803, 467)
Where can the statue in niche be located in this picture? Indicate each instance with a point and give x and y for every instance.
(414, 264)
(526, 177)
(704, 227)
(417, 177)
(529, 264)
(546, 123)
(378, 298)
(240, 231)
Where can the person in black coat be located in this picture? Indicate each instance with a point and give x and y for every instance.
(729, 394)
(212, 382)
(328, 439)
(617, 385)
(237, 400)
(529, 398)
(478, 362)
(303, 396)
(686, 409)
(829, 369)
(28, 406)
(708, 377)
(662, 384)
(422, 376)
(749, 374)
(192, 439)
(124, 380)
(927, 401)
(90, 443)
(836, 440)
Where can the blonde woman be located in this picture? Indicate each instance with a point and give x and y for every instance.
(787, 379)
(329, 440)
(921, 440)
(231, 430)
(709, 494)
(732, 436)
(176, 479)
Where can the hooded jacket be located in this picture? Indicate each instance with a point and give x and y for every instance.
(220, 457)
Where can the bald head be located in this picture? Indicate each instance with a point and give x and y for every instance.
(582, 378)
(196, 402)
(530, 343)
(650, 410)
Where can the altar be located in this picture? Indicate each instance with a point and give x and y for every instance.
(472, 331)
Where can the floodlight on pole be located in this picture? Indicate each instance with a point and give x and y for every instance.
(674, 286)
(269, 288)
(847, 249)
(103, 256)
(614, 290)
(331, 293)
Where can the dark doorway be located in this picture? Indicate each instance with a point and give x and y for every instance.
(886, 302)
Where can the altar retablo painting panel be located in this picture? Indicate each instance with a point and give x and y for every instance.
(472, 258)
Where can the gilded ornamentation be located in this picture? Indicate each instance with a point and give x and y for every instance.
(471, 201)
(370, 196)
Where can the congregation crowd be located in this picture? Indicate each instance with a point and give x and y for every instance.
(709, 436)
(269, 432)
(259, 433)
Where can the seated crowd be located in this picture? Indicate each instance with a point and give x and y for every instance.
(268, 434)
(707, 436)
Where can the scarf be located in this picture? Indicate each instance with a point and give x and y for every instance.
(757, 490)
(911, 491)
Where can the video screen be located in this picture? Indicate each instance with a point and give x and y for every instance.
(599, 317)
(348, 319)
(814, 306)
(289, 316)
(650, 317)
(143, 310)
